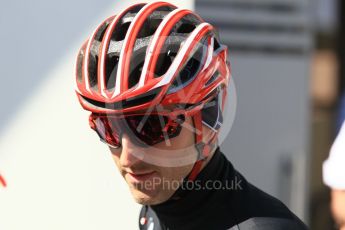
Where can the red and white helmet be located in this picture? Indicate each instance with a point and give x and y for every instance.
(152, 55)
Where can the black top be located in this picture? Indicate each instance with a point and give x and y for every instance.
(220, 198)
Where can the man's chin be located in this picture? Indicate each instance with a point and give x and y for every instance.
(147, 197)
(144, 201)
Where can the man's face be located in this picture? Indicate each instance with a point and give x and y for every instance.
(151, 182)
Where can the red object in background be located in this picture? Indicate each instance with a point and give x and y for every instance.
(2, 181)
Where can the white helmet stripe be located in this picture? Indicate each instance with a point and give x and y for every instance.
(181, 54)
(209, 55)
(105, 46)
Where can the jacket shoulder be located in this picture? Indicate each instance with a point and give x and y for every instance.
(270, 223)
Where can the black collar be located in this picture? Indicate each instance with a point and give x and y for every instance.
(188, 203)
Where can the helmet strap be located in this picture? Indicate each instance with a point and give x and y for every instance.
(203, 149)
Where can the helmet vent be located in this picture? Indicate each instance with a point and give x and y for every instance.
(139, 100)
(149, 28)
(111, 66)
(213, 78)
(136, 67)
(127, 103)
(165, 59)
(80, 64)
(185, 28)
(93, 60)
(101, 31)
(191, 69)
(187, 24)
(216, 45)
(122, 27)
(121, 32)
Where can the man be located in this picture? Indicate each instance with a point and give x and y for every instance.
(333, 176)
(155, 79)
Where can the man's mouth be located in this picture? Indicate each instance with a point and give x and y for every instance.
(139, 177)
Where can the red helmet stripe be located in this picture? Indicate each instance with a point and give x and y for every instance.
(127, 49)
(158, 41)
(160, 44)
(104, 48)
(196, 36)
(87, 56)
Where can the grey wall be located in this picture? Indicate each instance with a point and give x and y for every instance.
(270, 48)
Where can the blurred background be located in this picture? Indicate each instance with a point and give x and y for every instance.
(286, 58)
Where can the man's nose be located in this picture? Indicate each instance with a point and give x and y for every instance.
(130, 154)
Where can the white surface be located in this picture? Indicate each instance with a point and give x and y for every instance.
(58, 175)
(334, 166)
